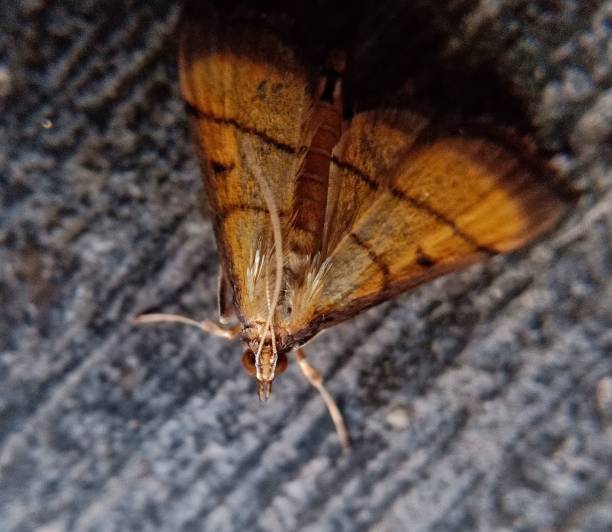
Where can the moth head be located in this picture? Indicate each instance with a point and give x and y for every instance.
(269, 365)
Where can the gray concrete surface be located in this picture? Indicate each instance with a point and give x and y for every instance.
(482, 401)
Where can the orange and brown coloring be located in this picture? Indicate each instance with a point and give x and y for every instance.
(318, 217)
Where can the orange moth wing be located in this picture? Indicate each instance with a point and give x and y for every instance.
(247, 113)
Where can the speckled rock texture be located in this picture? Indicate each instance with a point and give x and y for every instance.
(479, 402)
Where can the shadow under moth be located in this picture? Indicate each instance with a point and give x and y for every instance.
(320, 213)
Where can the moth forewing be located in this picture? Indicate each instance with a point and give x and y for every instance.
(246, 94)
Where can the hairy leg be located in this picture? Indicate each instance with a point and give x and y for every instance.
(206, 325)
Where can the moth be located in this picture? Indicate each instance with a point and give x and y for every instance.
(319, 217)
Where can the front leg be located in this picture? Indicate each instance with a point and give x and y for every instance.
(224, 298)
(314, 377)
(205, 325)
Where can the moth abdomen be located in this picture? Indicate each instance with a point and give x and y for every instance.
(321, 132)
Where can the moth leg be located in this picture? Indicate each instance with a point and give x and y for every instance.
(224, 299)
(314, 377)
(205, 325)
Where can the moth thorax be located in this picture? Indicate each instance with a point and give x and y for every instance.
(264, 368)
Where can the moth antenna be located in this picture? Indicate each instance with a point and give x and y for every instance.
(263, 332)
(272, 334)
(278, 253)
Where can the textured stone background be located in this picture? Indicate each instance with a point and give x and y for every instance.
(482, 401)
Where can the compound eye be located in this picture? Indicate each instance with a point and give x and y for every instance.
(248, 362)
(281, 364)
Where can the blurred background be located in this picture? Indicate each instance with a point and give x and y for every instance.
(481, 401)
